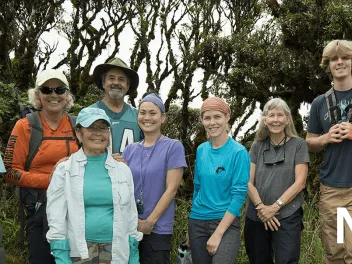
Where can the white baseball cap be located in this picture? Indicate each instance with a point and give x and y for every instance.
(51, 74)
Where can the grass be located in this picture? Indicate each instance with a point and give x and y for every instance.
(311, 246)
(312, 251)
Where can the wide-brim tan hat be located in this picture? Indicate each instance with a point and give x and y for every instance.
(116, 63)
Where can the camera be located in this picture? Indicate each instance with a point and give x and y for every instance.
(140, 207)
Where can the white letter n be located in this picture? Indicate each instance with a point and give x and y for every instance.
(342, 214)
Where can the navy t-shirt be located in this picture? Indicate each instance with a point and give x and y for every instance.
(336, 170)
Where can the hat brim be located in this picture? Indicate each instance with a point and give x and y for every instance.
(52, 78)
(100, 69)
(91, 120)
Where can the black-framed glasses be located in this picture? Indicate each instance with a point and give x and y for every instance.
(58, 90)
(274, 157)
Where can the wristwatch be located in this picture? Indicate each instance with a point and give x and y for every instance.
(279, 202)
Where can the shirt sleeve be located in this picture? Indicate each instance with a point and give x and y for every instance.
(239, 182)
(302, 154)
(254, 152)
(61, 251)
(15, 158)
(196, 180)
(56, 208)
(176, 156)
(314, 125)
(133, 221)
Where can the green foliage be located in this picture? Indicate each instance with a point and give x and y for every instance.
(93, 95)
(11, 226)
(9, 110)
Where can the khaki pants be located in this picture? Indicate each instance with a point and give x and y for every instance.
(330, 199)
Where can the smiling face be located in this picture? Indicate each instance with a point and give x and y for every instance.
(53, 103)
(150, 118)
(340, 67)
(276, 121)
(116, 83)
(95, 138)
(215, 123)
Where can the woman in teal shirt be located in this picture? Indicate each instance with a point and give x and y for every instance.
(220, 186)
(91, 210)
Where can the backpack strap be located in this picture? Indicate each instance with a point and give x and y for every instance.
(333, 110)
(35, 138)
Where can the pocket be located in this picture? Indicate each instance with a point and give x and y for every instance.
(124, 193)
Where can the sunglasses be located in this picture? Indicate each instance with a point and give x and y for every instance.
(58, 90)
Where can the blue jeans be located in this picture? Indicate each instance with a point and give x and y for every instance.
(200, 231)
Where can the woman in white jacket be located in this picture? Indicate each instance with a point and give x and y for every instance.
(91, 209)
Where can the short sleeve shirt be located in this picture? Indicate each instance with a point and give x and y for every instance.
(272, 181)
(149, 166)
(337, 166)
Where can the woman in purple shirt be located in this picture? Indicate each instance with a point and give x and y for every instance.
(157, 165)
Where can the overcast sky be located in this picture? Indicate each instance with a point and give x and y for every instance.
(126, 39)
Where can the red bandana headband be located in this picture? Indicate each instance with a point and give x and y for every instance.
(215, 103)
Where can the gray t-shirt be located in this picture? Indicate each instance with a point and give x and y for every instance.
(272, 181)
(336, 170)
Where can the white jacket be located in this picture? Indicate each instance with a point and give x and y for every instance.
(65, 207)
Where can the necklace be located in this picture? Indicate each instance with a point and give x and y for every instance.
(282, 140)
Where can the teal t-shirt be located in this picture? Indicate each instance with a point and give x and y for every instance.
(98, 203)
(124, 126)
(220, 180)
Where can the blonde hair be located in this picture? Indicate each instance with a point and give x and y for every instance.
(33, 99)
(336, 48)
(276, 103)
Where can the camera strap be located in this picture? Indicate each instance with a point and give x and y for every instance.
(143, 171)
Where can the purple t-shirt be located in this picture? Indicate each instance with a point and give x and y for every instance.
(149, 166)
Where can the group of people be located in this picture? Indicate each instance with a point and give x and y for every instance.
(105, 186)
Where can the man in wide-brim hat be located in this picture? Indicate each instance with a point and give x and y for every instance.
(118, 80)
(100, 71)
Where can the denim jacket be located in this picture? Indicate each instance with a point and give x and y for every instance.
(65, 207)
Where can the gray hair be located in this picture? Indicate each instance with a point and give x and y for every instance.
(275, 103)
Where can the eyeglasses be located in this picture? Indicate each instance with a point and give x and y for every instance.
(58, 90)
(273, 159)
(102, 130)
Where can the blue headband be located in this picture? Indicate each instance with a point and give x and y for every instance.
(155, 100)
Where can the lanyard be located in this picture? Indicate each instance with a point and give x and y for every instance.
(143, 176)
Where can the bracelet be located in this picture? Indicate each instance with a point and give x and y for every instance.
(258, 204)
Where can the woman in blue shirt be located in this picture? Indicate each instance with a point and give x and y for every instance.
(220, 186)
